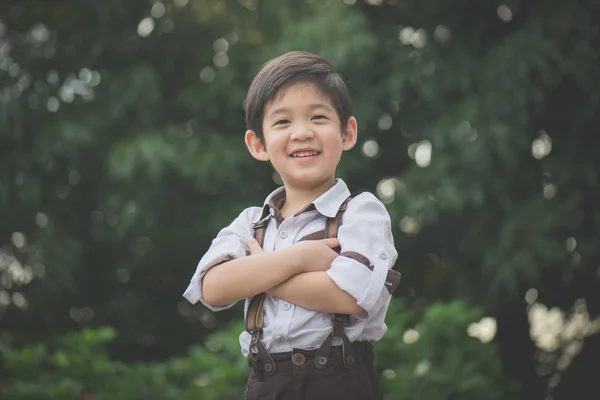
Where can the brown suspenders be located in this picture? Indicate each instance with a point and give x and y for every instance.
(255, 314)
(338, 321)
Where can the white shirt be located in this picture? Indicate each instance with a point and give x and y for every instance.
(365, 229)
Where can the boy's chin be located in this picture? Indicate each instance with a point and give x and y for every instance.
(308, 182)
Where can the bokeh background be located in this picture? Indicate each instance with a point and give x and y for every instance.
(122, 155)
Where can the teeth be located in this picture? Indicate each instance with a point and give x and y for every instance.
(305, 154)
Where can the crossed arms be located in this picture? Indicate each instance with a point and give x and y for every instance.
(309, 273)
(296, 274)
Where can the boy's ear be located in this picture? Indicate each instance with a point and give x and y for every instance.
(256, 146)
(350, 134)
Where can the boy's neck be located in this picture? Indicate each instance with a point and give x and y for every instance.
(298, 198)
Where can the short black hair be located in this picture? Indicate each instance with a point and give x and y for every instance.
(291, 68)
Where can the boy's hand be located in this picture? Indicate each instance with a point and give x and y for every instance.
(311, 255)
(254, 246)
(315, 255)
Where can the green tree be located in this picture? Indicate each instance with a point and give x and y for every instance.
(121, 156)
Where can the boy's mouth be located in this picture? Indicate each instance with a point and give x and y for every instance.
(305, 153)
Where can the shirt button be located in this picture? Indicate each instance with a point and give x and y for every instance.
(298, 359)
(279, 338)
(383, 256)
(271, 211)
(286, 306)
(283, 234)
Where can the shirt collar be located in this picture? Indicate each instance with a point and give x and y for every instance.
(273, 204)
(327, 204)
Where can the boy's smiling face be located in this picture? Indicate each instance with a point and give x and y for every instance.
(303, 137)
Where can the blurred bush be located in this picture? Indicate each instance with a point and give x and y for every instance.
(442, 356)
(429, 356)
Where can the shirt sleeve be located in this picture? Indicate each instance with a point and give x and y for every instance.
(231, 243)
(367, 251)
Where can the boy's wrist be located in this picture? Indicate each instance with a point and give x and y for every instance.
(294, 259)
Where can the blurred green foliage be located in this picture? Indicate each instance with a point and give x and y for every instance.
(78, 364)
(442, 363)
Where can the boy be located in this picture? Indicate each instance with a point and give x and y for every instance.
(311, 312)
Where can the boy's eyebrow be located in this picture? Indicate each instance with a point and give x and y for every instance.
(311, 107)
(317, 106)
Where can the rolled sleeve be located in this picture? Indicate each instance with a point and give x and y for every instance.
(366, 230)
(231, 243)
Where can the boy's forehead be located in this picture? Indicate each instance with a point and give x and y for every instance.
(276, 101)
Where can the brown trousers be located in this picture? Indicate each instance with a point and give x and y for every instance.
(297, 378)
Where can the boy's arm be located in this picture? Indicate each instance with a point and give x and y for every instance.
(312, 290)
(247, 276)
(230, 244)
(316, 291)
(225, 274)
(358, 275)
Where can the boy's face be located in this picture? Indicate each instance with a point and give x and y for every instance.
(303, 137)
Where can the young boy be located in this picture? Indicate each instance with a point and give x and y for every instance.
(311, 312)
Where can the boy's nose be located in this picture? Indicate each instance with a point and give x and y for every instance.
(302, 133)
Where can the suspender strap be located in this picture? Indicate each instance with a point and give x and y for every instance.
(255, 316)
(392, 279)
(338, 321)
(333, 224)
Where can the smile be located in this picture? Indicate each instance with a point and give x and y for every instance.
(304, 154)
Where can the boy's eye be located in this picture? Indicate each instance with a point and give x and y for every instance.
(319, 117)
(282, 122)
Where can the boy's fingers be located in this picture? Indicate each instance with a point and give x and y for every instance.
(332, 242)
(254, 246)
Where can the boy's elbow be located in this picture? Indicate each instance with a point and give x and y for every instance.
(212, 299)
(207, 295)
(209, 292)
(350, 306)
(354, 308)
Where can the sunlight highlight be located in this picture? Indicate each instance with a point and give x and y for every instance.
(411, 36)
(221, 45)
(389, 374)
(221, 60)
(41, 220)
(145, 27)
(571, 244)
(558, 334)
(386, 190)
(19, 240)
(484, 330)
(504, 13)
(541, 146)
(385, 122)
(442, 34)
(370, 148)
(409, 225)
(531, 296)
(422, 368)
(560, 337)
(38, 34)
(423, 154)
(157, 10)
(549, 190)
(410, 336)
(207, 74)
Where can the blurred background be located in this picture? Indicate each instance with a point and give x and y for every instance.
(122, 156)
